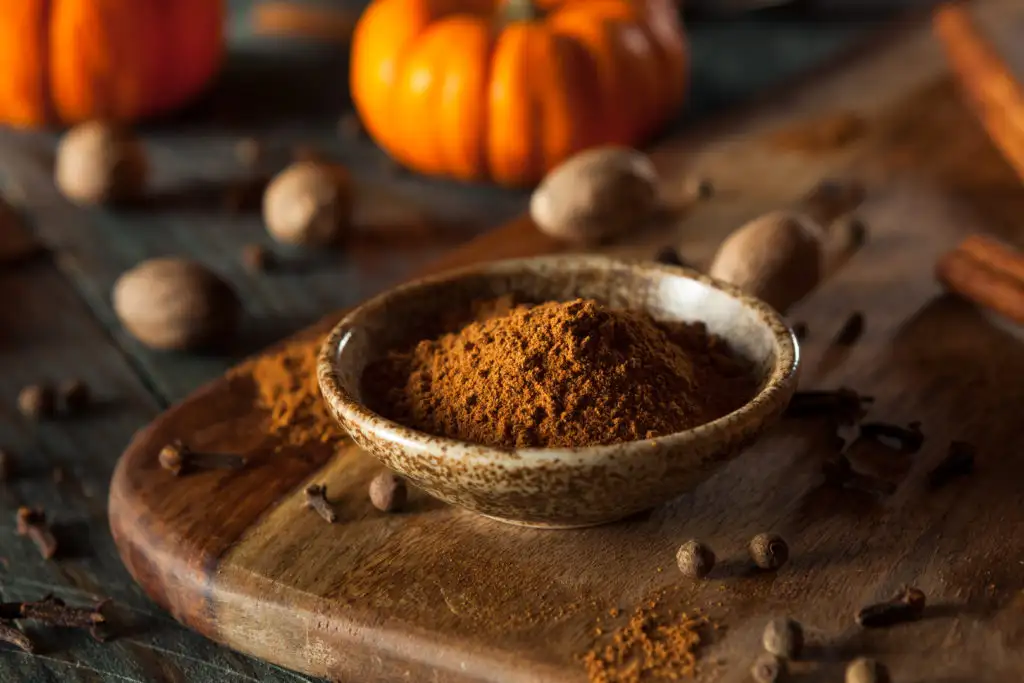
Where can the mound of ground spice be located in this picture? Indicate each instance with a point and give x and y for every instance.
(287, 388)
(559, 374)
(657, 643)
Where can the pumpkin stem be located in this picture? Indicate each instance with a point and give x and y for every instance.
(519, 10)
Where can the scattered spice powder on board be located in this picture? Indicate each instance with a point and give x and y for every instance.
(286, 386)
(560, 375)
(657, 643)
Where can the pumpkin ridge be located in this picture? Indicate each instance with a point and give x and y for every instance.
(429, 53)
(462, 97)
(398, 147)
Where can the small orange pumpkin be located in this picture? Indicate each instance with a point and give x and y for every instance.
(506, 89)
(68, 61)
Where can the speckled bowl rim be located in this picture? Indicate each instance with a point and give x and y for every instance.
(776, 389)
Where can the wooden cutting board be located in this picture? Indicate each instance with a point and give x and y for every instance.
(437, 594)
(985, 44)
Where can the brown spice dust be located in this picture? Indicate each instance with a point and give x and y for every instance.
(559, 375)
(286, 387)
(657, 643)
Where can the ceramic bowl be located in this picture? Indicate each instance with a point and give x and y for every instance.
(559, 487)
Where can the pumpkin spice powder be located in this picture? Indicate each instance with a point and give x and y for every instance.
(287, 388)
(656, 643)
(559, 375)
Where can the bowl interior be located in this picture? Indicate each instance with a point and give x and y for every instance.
(428, 308)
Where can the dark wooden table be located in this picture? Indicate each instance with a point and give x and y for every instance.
(56, 321)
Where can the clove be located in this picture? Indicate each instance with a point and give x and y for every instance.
(959, 462)
(316, 498)
(53, 611)
(907, 605)
(178, 459)
(843, 404)
(32, 523)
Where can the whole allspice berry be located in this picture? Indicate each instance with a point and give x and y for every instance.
(388, 492)
(866, 670)
(38, 401)
(695, 559)
(101, 163)
(783, 637)
(767, 668)
(309, 204)
(768, 551)
(176, 304)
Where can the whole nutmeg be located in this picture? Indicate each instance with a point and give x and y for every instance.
(596, 195)
(778, 258)
(101, 163)
(781, 256)
(309, 204)
(176, 304)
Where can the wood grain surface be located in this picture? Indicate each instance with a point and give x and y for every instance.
(56, 321)
(440, 595)
(984, 41)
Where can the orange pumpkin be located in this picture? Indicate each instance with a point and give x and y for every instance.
(67, 61)
(506, 89)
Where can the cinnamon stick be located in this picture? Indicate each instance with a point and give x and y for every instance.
(987, 272)
(294, 20)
